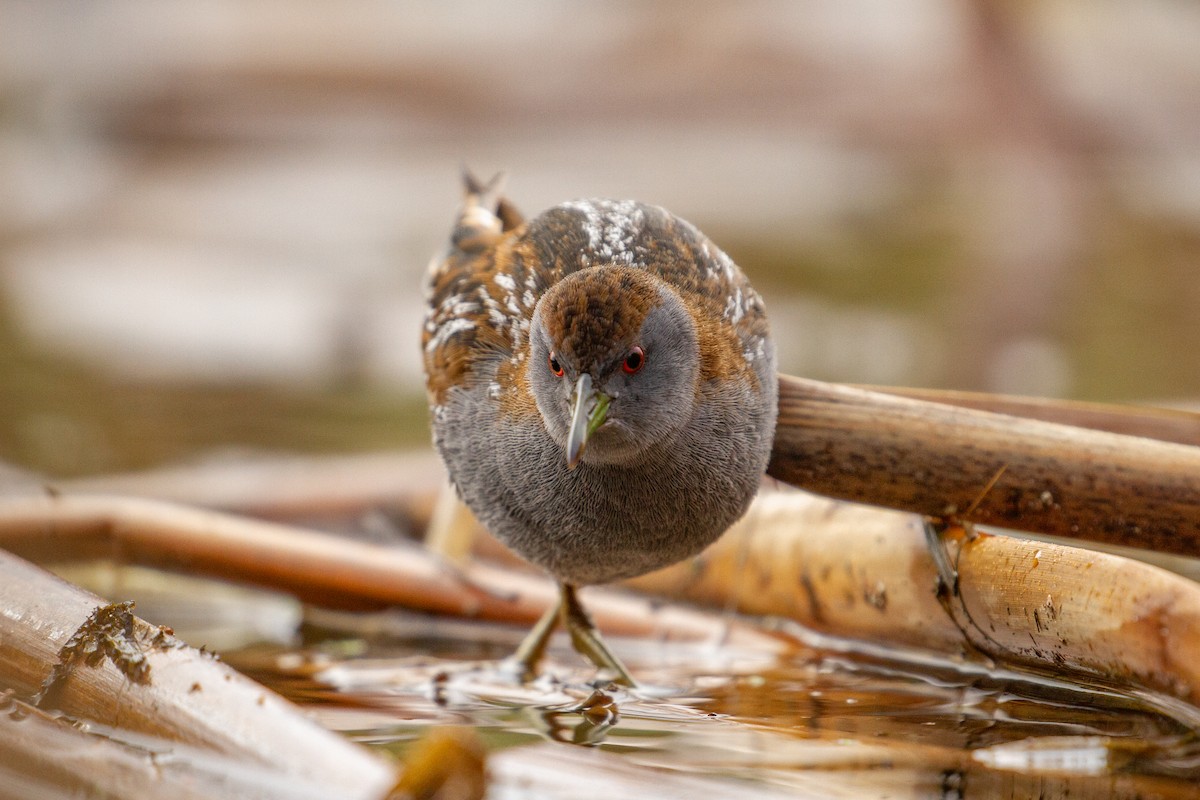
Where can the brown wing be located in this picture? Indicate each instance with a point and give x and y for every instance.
(468, 318)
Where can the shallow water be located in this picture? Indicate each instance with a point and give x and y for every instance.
(831, 720)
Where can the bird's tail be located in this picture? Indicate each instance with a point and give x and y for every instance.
(485, 214)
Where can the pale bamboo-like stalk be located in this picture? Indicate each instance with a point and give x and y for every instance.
(293, 487)
(866, 573)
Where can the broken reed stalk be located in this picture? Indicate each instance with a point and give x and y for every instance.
(941, 461)
(71, 651)
(866, 573)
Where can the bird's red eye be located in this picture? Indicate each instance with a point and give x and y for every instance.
(555, 367)
(634, 361)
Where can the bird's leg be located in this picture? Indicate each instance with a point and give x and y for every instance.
(533, 646)
(586, 638)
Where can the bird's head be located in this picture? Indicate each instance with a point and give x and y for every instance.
(613, 363)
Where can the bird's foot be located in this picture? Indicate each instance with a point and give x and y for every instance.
(586, 639)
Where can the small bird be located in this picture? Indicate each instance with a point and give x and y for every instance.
(602, 388)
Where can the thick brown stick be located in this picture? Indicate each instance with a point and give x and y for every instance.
(940, 460)
(150, 683)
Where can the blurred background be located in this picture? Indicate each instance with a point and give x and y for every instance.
(215, 215)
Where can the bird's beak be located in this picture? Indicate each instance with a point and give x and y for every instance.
(588, 410)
